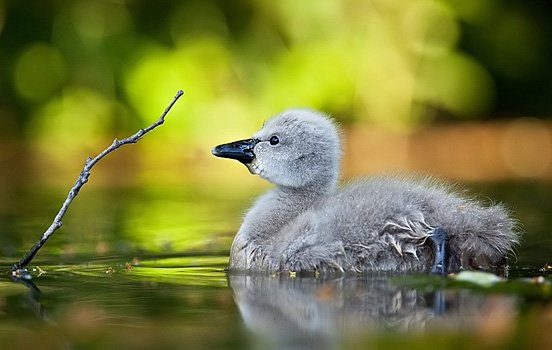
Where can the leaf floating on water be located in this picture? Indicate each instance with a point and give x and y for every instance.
(484, 279)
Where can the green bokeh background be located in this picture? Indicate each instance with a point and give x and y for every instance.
(76, 70)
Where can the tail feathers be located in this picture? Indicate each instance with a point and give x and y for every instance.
(489, 234)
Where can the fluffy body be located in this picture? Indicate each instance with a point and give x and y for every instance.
(383, 223)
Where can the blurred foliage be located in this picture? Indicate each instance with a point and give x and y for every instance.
(71, 70)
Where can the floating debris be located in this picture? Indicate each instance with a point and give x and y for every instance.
(485, 279)
(546, 268)
(39, 270)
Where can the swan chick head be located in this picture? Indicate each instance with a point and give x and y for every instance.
(296, 148)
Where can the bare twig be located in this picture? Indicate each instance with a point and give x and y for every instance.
(19, 268)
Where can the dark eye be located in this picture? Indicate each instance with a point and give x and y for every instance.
(274, 140)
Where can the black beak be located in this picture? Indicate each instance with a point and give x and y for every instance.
(239, 150)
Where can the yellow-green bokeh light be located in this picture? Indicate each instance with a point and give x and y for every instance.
(39, 71)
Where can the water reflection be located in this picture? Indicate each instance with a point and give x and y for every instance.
(110, 306)
(33, 299)
(289, 313)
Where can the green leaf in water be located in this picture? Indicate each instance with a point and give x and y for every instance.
(484, 279)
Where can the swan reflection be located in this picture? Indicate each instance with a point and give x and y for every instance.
(285, 312)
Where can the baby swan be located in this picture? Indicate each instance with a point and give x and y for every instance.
(385, 223)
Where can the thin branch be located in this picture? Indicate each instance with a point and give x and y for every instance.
(19, 268)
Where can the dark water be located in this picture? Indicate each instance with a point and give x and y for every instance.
(144, 269)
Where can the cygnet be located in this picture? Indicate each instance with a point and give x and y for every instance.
(394, 223)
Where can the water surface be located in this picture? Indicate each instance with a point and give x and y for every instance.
(144, 269)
